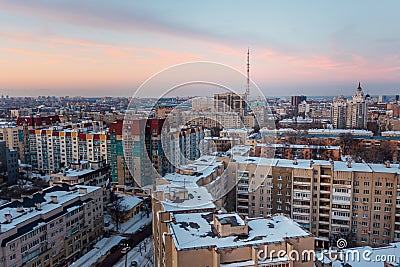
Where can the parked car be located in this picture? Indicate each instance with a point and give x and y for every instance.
(125, 249)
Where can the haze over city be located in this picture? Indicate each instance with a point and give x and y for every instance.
(99, 48)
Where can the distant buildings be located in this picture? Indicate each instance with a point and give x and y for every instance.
(230, 102)
(350, 113)
(295, 101)
(50, 228)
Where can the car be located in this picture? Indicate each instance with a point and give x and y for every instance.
(134, 264)
(125, 249)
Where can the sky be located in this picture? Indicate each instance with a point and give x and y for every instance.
(97, 48)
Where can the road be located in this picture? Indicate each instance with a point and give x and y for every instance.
(133, 240)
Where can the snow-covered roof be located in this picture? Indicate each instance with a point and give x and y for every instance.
(237, 131)
(357, 132)
(27, 207)
(391, 133)
(341, 131)
(194, 230)
(198, 198)
(130, 201)
(298, 146)
(306, 164)
(241, 150)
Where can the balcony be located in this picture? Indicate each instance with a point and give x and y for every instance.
(324, 192)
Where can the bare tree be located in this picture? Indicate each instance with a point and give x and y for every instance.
(117, 208)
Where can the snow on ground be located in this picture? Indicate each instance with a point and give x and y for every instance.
(100, 249)
(130, 226)
(144, 259)
(135, 223)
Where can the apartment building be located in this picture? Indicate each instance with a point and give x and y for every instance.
(9, 134)
(229, 102)
(188, 230)
(53, 149)
(94, 173)
(350, 113)
(53, 227)
(226, 239)
(184, 145)
(329, 198)
(119, 170)
(241, 134)
(291, 151)
(26, 123)
(8, 164)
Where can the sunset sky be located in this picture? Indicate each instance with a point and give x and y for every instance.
(96, 48)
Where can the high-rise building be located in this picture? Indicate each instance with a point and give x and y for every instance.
(8, 164)
(350, 113)
(230, 102)
(357, 112)
(9, 134)
(53, 149)
(119, 170)
(145, 148)
(296, 100)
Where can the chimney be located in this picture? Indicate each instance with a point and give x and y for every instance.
(311, 163)
(20, 209)
(295, 161)
(82, 190)
(387, 163)
(38, 206)
(348, 164)
(8, 217)
(54, 199)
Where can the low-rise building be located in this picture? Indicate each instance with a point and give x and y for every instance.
(95, 173)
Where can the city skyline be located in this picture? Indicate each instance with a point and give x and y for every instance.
(100, 48)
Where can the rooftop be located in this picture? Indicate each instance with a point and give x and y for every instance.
(26, 208)
(307, 164)
(194, 230)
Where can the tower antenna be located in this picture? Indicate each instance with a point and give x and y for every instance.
(248, 73)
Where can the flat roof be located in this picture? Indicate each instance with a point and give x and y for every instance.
(28, 211)
(193, 230)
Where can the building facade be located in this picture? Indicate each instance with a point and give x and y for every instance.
(52, 149)
(51, 228)
(9, 171)
(331, 199)
(351, 114)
